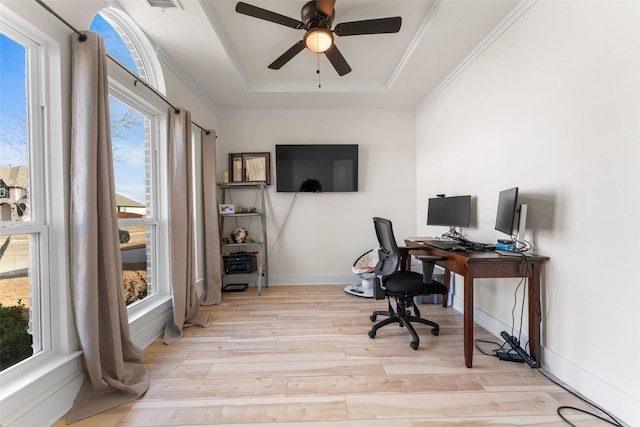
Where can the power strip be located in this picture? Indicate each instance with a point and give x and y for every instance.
(513, 342)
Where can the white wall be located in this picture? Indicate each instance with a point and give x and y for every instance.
(553, 107)
(326, 232)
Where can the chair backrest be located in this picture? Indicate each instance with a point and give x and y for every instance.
(388, 253)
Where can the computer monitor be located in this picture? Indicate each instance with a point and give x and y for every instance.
(507, 207)
(449, 211)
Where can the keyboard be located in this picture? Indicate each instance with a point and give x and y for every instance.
(442, 243)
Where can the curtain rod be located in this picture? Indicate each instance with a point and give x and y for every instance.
(83, 37)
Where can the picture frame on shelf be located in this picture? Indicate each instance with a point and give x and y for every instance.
(236, 169)
(226, 209)
(257, 167)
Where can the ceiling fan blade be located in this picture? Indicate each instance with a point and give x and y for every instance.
(369, 26)
(337, 60)
(325, 6)
(287, 56)
(267, 15)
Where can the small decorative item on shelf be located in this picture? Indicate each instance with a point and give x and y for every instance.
(240, 235)
(226, 209)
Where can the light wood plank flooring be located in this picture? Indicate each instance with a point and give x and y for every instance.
(300, 356)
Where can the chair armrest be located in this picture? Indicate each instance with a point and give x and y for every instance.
(405, 259)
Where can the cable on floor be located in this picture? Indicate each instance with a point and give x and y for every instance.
(611, 419)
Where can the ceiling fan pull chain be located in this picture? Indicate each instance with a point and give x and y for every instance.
(318, 69)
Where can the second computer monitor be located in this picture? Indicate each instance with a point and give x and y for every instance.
(449, 211)
(507, 207)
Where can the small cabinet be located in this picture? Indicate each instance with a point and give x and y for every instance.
(241, 268)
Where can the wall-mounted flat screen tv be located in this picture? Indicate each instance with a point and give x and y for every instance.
(317, 168)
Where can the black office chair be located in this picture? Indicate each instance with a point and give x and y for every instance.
(402, 285)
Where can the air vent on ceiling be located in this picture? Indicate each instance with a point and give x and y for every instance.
(165, 4)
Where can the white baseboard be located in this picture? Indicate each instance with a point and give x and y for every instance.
(51, 409)
(488, 322)
(146, 328)
(45, 396)
(313, 279)
(624, 407)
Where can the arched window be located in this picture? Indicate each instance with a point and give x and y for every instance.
(118, 44)
(127, 43)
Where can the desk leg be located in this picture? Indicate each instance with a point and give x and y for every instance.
(447, 283)
(534, 296)
(468, 320)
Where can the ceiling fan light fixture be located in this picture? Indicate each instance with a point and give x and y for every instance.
(318, 40)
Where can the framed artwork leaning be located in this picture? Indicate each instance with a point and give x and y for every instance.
(236, 171)
(250, 167)
(257, 167)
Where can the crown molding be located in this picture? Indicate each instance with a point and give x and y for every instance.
(491, 38)
(316, 112)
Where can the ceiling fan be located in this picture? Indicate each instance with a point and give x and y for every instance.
(317, 18)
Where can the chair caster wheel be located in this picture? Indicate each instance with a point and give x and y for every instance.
(372, 334)
(373, 317)
(435, 331)
(414, 345)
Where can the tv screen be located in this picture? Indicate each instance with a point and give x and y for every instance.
(449, 211)
(507, 206)
(317, 168)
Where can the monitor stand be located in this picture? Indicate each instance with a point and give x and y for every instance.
(522, 224)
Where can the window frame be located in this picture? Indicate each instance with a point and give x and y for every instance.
(48, 218)
(35, 225)
(156, 118)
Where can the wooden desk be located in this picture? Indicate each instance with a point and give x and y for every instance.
(488, 264)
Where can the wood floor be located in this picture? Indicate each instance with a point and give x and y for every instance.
(300, 356)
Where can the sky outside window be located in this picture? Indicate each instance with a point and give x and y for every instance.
(13, 103)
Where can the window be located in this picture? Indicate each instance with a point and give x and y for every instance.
(135, 132)
(24, 237)
(132, 135)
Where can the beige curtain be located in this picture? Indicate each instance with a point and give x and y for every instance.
(212, 257)
(186, 307)
(113, 372)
